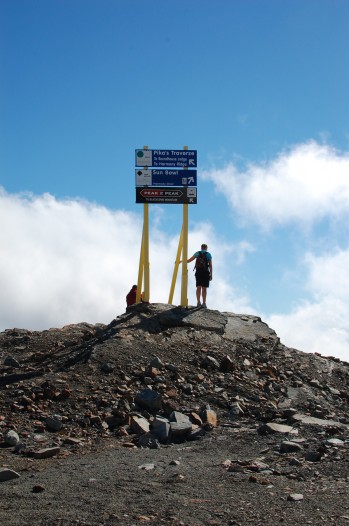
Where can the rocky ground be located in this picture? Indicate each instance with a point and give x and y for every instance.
(170, 416)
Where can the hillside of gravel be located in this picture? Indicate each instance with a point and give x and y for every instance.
(170, 415)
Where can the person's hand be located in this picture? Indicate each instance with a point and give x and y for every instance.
(210, 278)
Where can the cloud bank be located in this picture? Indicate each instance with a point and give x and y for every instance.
(304, 192)
(320, 325)
(304, 185)
(67, 261)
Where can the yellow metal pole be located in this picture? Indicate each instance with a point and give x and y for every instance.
(175, 271)
(140, 270)
(184, 289)
(146, 295)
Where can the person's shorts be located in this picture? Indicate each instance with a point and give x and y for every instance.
(202, 278)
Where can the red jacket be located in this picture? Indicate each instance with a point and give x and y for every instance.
(131, 297)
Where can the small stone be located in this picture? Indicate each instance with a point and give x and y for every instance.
(161, 428)
(12, 438)
(314, 383)
(172, 393)
(139, 425)
(149, 399)
(195, 418)
(53, 423)
(312, 421)
(47, 452)
(178, 477)
(107, 368)
(209, 361)
(313, 456)
(272, 427)
(71, 441)
(289, 447)
(157, 363)
(147, 467)
(235, 410)
(295, 462)
(38, 488)
(180, 418)
(226, 364)
(11, 362)
(180, 429)
(8, 474)
(210, 417)
(148, 440)
(335, 442)
(294, 497)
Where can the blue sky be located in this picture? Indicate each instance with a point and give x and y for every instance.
(258, 87)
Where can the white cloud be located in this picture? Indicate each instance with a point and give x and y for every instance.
(66, 261)
(329, 274)
(303, 185)
(320, 325)
(315, 327)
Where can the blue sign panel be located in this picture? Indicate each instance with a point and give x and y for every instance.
(166, 177)
(167, 195)
(167, 158)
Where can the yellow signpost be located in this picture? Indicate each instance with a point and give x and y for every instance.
(144, 260)
(185, 159)
(184, 288)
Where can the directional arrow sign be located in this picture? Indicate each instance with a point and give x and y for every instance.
(166, 177)
(166, 195)
(167, 158)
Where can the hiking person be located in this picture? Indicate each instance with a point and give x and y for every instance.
(203, 274)
(131, 296)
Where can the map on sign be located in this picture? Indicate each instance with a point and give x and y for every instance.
(166, 177)
(167, 158)
(159, 195)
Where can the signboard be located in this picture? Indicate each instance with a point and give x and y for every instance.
(167, 158)
(166, 177)
(166, 195)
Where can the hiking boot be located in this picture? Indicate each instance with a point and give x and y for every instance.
(204, 306)
(199, 304)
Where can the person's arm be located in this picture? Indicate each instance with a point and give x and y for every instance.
(188, 260)
(211, 268)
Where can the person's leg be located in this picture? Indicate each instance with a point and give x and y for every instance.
(204, 293)
(198, 294)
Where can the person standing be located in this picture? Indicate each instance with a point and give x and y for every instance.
(203, 274)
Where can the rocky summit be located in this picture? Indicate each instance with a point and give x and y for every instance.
(183, 416)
